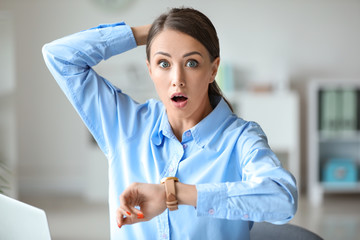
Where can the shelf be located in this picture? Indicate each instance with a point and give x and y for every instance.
(341, 136)
(341, 187)
(340, 141)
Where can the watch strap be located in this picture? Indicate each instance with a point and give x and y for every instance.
(171, 200)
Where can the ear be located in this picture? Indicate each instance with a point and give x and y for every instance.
(148, 66)
(214, 68)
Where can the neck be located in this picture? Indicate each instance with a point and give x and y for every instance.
(180, 124)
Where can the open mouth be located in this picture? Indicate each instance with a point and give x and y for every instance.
(179, 98)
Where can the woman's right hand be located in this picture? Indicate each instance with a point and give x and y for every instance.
(141, 33)
(151, 199)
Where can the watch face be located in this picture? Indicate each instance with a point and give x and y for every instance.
(111, 4)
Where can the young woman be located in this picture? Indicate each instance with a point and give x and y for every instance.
(219, 173)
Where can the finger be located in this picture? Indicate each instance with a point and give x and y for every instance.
(130, 220)
(138, 213)
(125, 219)
(125, 203)
(125, 210)
(135, 218)
(121, 216)
(128, 217)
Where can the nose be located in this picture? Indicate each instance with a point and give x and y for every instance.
(178, 79)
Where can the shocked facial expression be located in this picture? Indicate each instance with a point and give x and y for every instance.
(181, 70)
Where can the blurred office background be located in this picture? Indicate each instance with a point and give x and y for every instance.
(279, 58)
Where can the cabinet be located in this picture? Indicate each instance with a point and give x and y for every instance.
(278, 115)
(333, 138)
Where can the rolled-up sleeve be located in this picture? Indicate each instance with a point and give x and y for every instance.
(98, 102)
(266, 192)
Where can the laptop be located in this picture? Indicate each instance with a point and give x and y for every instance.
(20, 221)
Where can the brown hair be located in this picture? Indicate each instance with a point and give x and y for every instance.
(195, 24)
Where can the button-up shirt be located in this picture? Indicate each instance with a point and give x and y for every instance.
(237, 176)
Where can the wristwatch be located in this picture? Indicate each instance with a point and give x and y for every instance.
(171, 200)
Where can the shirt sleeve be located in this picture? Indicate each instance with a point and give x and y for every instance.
(267, 192)
(70, 61)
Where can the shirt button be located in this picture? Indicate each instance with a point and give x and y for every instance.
(184, 145)
(188, 134)
(246, 216)
(211, 211)
(171, 169)
(164, 236)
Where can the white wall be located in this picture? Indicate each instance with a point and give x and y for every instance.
(8, 143)
(264, 40)
(7, 78)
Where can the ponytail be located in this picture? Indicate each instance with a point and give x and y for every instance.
(214, 90)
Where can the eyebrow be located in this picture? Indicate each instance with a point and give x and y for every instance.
(192, 53)
(185, 55)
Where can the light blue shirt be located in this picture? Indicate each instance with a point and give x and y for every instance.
(237, 176)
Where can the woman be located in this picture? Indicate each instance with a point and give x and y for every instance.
(221, 173)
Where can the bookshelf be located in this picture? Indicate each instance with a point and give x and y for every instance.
(277, 112)
(333, 138)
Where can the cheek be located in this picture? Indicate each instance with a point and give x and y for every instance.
(160, 83)
(158, 78)
(203, 79)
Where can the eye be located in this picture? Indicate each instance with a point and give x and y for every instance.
(192, 63)
(164, 64)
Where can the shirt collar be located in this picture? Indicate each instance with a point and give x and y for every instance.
(162, 129)
(205, 129)
(200, 131)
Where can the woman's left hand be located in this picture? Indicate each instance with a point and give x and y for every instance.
(151, 198)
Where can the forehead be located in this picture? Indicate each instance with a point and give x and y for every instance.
(175, 42)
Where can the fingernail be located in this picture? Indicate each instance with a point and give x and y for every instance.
(140, 216)
(128, 213)
(119, 225)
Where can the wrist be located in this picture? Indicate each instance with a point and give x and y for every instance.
(140, 33)
(170, 190)
(178, 193)
(186, 194)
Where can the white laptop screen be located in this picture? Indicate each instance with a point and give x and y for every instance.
(22, 221)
